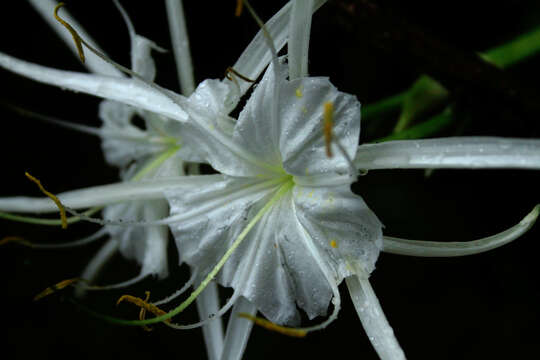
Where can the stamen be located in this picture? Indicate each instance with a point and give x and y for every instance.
(328, 123)
(144, 304)
(234, 72)
(16, 239)
(294, 332)
(76, 38)
(142, 313)
(239, 8)
(53, 198)
(56, 287)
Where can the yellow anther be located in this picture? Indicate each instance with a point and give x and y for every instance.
(230, 71)
(239, 7)
(142, 313)
(53, 198)
(143, 304)
(74, 35)
(16, 239)
(333, 243)
(328, 124)
(52, 289)
(274, 327)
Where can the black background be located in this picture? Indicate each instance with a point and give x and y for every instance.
(483, 306)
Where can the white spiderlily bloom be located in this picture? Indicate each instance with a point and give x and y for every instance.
(262, 182)
(280, 221)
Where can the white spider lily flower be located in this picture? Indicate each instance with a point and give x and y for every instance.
(281, 221)
(266, 173)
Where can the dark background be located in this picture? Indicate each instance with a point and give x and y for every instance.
(483, 306)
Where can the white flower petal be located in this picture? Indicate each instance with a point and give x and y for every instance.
(238, 330)
(270, 268)
(341, 225)
(180, 43)
(295, 139)
(122, 142)
(209, 129)
(298, 44)
(107, 194)
(127, 91)
(454, 152)
(142, 62)
(302, 139)
(258, 128)
(96, 65)
(369, 311)
(459, 248)
(207, 307)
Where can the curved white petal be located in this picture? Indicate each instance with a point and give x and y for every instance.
(369, 311)
(107, 194)
(127, 91)
(46, 9)
(454, 152)
(238, 330)
(459, 248)
(141, 47)
(257, 55)
(207, 307)
(298, 44)
(180, 44)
